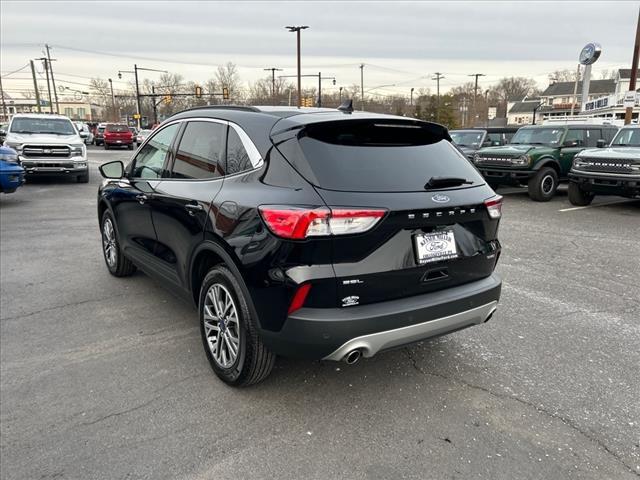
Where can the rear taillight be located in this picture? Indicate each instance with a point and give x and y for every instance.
(494, 206)
(297, 223)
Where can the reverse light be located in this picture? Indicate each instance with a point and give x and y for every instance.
(494, 206)
(298, 223)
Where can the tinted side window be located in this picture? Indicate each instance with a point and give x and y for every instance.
(201, 150)
(593, 135)
(575, 136)
(149, 161)
(237, 156)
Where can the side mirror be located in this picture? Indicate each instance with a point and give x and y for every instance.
(600, 143)
(113, 170)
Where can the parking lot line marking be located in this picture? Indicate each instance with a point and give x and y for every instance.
(596, 205)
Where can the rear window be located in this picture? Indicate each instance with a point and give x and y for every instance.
(376, 156)
(117, 128)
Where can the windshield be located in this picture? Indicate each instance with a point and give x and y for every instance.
(468, 138)
(627, 137)
(538, 136)
(53, 126)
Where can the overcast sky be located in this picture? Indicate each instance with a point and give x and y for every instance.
(401, 43)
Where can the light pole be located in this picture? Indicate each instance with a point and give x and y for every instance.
(135, 72)
(362, 86)
(340, 93)
(297, 29)
(411, 97)
(113, 102)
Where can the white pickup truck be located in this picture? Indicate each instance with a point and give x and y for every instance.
(48, 145)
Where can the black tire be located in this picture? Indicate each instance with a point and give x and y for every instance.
(253, 361)
(543, 185)
(122, 266)
(84, 178)
(579, 197)
(106, 146)
(130, 146)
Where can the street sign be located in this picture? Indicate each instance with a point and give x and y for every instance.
(629, 99)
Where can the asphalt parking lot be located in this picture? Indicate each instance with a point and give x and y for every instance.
(106, 378)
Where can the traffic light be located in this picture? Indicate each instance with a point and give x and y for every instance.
(308, 102)
(225, 93)
(167, 99)
(198, 91)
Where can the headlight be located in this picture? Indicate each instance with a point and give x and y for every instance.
(78, 149)
(16, 146)
(9, 157)
(80, 164)
(521, 161)
(578, 162)
(476, 157)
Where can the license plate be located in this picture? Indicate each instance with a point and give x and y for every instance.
(118, 141)
(435, 247)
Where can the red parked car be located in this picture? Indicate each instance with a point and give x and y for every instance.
(117, 135)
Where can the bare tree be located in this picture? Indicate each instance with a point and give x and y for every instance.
(565, 75)
(227, 76)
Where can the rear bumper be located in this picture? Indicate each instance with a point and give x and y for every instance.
(607, 184)
(330, 333)
(505, 175)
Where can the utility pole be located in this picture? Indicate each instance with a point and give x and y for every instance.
(45, 62)
(475, 94)
(437, 78)
(411, 96)
(113, 103)
(362, 86)
(297, 30)
(634, 72)
(4, 104)
(35, 86)
(273, 81)
(53, 82)
(340, 94)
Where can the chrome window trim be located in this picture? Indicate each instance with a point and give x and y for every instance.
(254, 155)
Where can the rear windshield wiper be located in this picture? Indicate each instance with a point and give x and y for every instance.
(444, 182)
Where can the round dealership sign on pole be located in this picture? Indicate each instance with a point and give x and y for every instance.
(588, 56)
(590, 53)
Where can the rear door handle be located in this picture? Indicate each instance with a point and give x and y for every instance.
(142, 198)
(193, 208)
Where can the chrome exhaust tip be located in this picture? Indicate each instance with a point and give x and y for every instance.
(352, 357)
(490, 315)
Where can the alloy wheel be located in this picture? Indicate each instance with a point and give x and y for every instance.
(221, 325)
(547, 184)
(109, 243)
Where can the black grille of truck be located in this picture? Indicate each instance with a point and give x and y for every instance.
(608, 166)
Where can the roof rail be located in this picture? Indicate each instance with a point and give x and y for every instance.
(242, 108)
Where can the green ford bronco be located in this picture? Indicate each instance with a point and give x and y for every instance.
(540, 156)
(614, 170)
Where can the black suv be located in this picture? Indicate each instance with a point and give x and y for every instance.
(313, 233)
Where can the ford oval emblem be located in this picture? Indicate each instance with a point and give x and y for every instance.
(439, 198)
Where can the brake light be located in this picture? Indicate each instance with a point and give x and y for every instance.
(299, 297)
(297, 223)
(494, 206)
